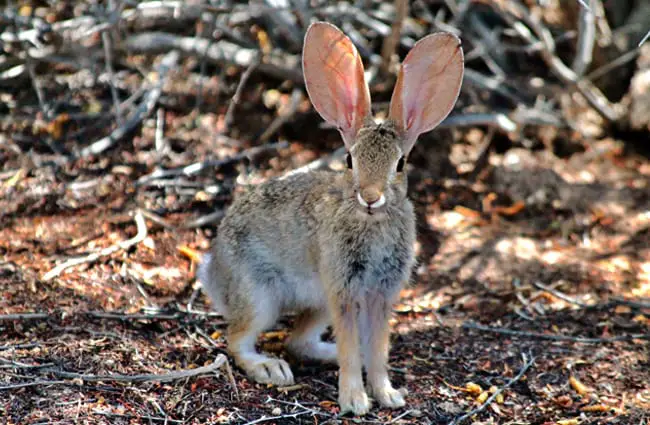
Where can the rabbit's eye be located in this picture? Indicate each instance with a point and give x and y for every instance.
(348, 160)
(400, 165)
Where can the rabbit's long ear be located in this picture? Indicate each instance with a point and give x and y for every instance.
(427, 86)
(334, 78)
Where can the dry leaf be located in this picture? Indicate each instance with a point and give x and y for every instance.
(482, 397)
(574, 421)
(578, 386)
(190, 253)
(473, 388)
(467, 212)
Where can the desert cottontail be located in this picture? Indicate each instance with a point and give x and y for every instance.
(334, 247)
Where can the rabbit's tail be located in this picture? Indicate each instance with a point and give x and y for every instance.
(207, 275)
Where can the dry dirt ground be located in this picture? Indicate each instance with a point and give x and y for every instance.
(541, 260)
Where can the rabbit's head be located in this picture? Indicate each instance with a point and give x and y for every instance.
(426, 90)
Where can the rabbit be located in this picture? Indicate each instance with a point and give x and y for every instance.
(335, 248)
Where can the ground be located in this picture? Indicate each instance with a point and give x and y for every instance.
(540, 265)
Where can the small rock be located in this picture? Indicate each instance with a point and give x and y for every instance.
(276, 412)
(415, 413)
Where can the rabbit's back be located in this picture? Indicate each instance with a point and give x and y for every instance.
(266, 247)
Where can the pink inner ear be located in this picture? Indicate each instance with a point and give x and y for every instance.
(334, 79)
(427, 86)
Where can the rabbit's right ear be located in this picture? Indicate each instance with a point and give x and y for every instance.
(334, 79)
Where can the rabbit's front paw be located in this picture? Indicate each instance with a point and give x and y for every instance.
(271, 371)
(390, 397)
(354, 400)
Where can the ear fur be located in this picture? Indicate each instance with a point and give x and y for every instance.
(427, 87)
(334, 77)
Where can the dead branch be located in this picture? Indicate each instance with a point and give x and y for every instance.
(139, 237)
(145, 108)
(392, 41)
(551, 337)
(558, 294)
(32, 384)
(24, 316)
(586, 38)
(218, 362)
(230, 113)
(198, 167)
(149, 418)
(592, 94)
(528, 362)
(221, 52)
(205, 220)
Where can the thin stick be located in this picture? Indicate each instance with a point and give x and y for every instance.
(139, 237)
(147, 377)
(550, 337)
(644, 39)
(391, 42)
(24, 316)
(230, 113)
(159, 140)
(144, 109)
(31, 384)
(527, 364)
(106, 41)
(558, 294)
(586, 40)
(197, 167)
(285, 67)
(273, 418)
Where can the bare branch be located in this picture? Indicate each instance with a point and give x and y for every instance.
(139, 237)
(145, 108)
(165, 377)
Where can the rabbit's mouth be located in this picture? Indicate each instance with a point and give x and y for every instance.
(375, 208)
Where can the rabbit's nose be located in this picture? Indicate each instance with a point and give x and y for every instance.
(371, 198)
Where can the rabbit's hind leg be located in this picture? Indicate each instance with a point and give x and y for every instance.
(306, 337)
(242, 336)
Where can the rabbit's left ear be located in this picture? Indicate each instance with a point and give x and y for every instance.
(427, 86)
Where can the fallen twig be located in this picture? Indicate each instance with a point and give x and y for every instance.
(24, 316)
(139, 237)
(31, 384)
(234, 101)
(149, 418)
(551, 337)
(147, 377)
(197, 167)
(528, 362)
(558, 294)
(221, 52)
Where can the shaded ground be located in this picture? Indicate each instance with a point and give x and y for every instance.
(482, 261)
(534, 228)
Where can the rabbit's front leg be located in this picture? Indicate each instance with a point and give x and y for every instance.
(352, 394)
(376, 345)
